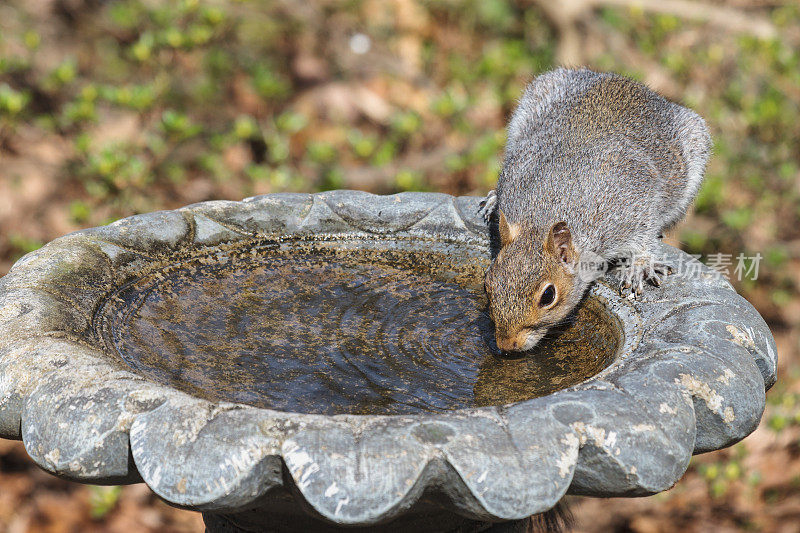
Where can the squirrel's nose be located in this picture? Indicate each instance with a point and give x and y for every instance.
(507, 344)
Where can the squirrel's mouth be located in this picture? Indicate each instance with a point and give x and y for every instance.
(523, 341)
(532, 338)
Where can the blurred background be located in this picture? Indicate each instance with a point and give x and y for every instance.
(114, 107)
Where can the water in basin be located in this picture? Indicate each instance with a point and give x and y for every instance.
(316, 328)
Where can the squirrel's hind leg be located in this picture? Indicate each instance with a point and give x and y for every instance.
(488, 205)
(638, 267)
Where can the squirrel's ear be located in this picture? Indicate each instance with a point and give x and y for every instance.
(559, 243)
(508, 232)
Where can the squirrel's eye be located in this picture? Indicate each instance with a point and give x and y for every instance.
(548, 296)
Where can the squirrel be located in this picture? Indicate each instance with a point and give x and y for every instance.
(597, 166)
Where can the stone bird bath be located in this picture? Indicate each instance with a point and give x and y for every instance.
(160, 349)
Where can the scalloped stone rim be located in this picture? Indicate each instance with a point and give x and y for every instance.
(697, 361)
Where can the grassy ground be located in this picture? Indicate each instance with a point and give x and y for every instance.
(115, 107)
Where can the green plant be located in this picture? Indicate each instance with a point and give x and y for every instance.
(102, 500)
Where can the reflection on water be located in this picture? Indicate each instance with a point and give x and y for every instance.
(331, 333)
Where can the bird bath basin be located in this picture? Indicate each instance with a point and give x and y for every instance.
(326, 327)
(305, 362)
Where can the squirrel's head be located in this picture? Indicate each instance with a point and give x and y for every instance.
(532, 284)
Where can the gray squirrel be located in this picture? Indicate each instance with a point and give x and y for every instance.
(597, 166)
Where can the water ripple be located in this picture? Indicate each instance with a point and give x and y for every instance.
(330, 333)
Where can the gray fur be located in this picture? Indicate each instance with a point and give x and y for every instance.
(620, 183)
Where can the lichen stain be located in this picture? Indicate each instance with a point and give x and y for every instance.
(726, 376)
(53, 456)
(667, 409)
(589, 434)
(703, 391)
(566, 460)
(741, 338)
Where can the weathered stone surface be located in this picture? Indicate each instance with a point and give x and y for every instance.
(82, 436)
(208, 457)
(691, 377)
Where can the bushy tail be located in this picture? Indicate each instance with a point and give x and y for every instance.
(559, 519)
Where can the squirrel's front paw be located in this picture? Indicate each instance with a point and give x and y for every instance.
(487, 205)
(641, 269)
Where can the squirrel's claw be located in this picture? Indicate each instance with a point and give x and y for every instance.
(487, 205)
(643, 269)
